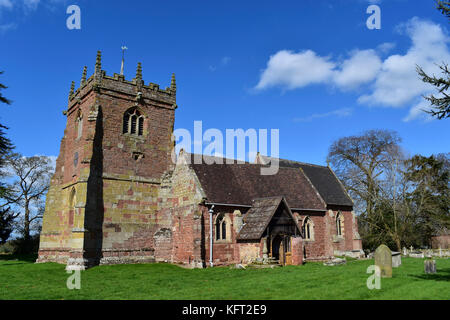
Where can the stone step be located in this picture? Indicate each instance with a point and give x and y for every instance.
(263, 266)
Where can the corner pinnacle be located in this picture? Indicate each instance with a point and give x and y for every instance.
(98, 62)
(83, 77)
(139, 71)
(72, 90)
(173, 83)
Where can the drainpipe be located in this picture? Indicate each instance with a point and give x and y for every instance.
(211, 211)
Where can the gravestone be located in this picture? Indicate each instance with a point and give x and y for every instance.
(265, 255)
(430, 266)
(396, 259)
(405, 251)
(383, 260)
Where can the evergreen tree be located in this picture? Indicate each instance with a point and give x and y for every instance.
(5, 144)
(6, 217)
(440, 106)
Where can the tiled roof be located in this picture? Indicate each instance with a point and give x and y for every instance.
(324, 180)
(241, 183)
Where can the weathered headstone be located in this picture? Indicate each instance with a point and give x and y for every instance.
(411, 249)
(405, 251)
(417, 254)
(396, 259)
(383, 259)
(265, 256)
(430, 266)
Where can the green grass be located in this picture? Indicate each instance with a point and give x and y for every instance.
(22, 279)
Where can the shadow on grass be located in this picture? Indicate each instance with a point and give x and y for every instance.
(21, 257)
(440, 275)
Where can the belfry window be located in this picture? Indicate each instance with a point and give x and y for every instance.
(221, 228)
(133, 122)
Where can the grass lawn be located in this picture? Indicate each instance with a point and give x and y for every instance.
(22, 279)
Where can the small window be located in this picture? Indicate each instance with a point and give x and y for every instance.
(339, 224)
(221, 228)
(308, 229)
(133, 122)
(79, 125)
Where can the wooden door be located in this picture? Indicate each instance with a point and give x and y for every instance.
(288, 251)
(282, 253)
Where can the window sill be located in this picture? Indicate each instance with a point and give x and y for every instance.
(222, 241)
(134, 136)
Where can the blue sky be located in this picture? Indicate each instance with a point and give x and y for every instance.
(311, 68)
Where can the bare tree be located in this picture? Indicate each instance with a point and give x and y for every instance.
(31, 182)
(359, 161)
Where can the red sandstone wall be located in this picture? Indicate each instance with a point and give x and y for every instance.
(317, 248)
(297, 251)
(442, 242)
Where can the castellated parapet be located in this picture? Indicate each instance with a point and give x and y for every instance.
(104, 203)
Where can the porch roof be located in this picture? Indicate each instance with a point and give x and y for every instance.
(259, 215)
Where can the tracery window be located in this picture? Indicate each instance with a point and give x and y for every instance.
(133, 122)
(221, 228)
(308, 229)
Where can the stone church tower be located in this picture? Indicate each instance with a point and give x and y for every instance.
(103, 200)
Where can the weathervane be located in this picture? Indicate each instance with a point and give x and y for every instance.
(123, 58)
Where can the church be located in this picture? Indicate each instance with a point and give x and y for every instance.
(118, 196)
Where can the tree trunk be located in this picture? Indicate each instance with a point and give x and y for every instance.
(26, 228)
(398, 244)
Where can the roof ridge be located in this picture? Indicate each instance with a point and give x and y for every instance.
(271, 197)
(224, 158)
(296, 161)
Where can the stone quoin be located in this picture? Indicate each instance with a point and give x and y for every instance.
(117, 197)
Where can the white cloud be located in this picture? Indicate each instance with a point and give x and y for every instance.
(392, 82)
(418, 112)
(386, 47)
(362, 67)
(6, 4)
(31, 4)
(344, 112)
(398, 82)
(295, 70)
(223, 62)
(6, 27)
(25, 7)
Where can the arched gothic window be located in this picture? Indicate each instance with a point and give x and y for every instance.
(133, 122)
(339, 224)
(221, 228)
(308, 229)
